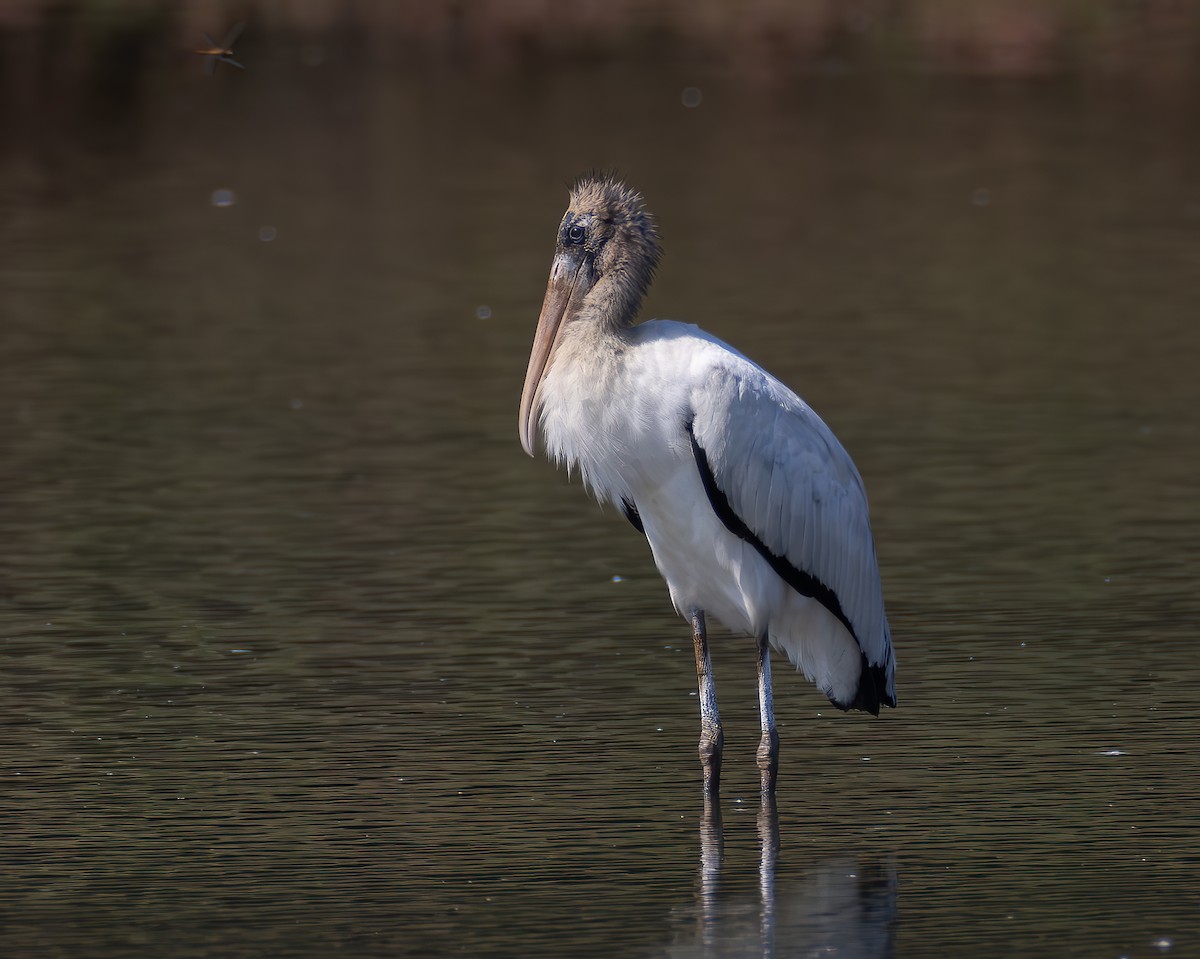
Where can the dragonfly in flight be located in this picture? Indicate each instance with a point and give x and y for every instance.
(216, 53)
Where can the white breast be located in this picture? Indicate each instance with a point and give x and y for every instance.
(618, 413)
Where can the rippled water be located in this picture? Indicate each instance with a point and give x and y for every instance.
(302, 655)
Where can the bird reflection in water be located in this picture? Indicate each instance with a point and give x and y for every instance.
(842, 906)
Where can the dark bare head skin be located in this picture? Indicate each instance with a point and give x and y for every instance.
(608, 227)
(604, 259)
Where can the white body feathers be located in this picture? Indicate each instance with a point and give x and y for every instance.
(618, 407)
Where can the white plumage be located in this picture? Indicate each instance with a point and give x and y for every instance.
(754, 512)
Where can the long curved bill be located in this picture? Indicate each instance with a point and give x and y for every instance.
(568, 285)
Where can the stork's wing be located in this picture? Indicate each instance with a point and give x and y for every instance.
(777, 471)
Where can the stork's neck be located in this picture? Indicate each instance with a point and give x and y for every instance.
(614, 302)
(584, 405)
(593, 345)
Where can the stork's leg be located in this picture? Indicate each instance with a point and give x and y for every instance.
(768, 746)
(712, 738)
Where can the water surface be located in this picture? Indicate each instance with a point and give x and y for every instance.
(303, 655)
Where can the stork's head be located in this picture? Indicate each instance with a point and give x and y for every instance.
(604, 259)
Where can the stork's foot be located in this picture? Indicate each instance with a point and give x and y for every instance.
(712, 742)
(768, 761)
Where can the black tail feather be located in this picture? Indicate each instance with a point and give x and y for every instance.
(872, 690)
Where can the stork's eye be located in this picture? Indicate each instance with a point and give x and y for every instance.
(576, 233)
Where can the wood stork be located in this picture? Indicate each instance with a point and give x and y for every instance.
(754, 512)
